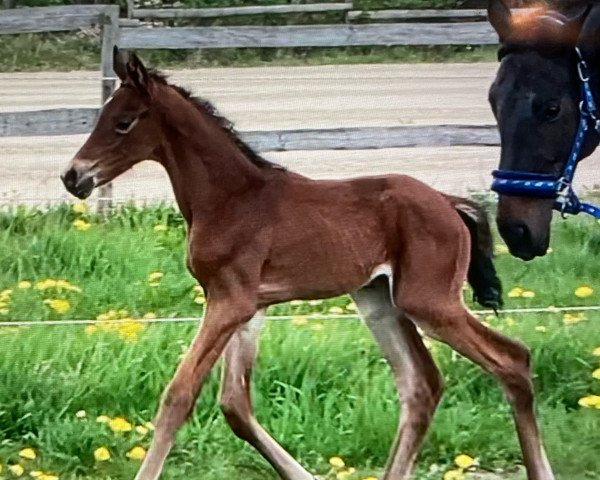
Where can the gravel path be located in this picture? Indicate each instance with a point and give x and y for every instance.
(279, 98)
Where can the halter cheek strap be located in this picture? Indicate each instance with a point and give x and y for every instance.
(541, 185)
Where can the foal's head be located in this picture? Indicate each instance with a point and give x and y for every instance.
(127, 131)
(535, 98)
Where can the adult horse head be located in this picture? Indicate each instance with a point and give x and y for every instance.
(543, 101)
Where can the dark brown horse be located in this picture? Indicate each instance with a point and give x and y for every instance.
(536, 100)
(260, 234)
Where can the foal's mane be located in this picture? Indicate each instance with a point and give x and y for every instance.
(206, 107)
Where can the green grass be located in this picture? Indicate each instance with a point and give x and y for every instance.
(321, 388)
(81, 51)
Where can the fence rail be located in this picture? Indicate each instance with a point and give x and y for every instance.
(289, 36)
(174, 13)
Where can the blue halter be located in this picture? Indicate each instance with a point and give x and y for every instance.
(542, 185)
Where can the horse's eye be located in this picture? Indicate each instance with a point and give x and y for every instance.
(125, 125)
(551, 112)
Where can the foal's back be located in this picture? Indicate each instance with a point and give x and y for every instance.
(358, 228)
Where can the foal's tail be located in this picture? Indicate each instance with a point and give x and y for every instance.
(482, 276)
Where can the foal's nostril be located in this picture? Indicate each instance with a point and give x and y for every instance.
(69, 178)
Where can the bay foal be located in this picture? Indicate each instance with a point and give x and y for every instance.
(259, 235)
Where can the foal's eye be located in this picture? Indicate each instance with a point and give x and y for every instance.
(125, 125)
(551, 112)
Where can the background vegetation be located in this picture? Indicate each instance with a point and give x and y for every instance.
(321, 387)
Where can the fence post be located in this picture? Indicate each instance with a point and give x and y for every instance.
(110, 36)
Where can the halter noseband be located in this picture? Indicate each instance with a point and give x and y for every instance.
(541, 185)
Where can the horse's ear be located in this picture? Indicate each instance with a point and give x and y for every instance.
(136, 72)
(119, 63)
(500, 17)
(589, 37)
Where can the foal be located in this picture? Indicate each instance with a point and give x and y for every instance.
(259, 235)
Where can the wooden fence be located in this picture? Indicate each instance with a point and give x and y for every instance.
(132, 35)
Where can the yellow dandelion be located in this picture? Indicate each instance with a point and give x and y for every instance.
(540, 328)
(102, 419)
(299, 321)
(80, 207)
(119, 424)
(337, 462)
(351, 307)
(28, 453)
(161, 227)
(47, 476)
(90, 329)
(465, 461)
(101, 454)
(81, 225)
(45, 284)
(510, 321)
(16, 469)
(58, 305)
(130, 330)
(528, 294)
(136, 453)
(596, 374)
(155, 276)
(370, 478)
(64, 285)
(336, 310)
(584, 291)
(81, 414)
(572, 318)
(149, 426)
(500, 249)
(596, 352)
(24, 284)
(200, 300)
(141, 430)
(0, 468)
(35, 474)
(591, 401)
(454, 475)
(515, 292)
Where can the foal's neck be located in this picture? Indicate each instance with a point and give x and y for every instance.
(205, 165)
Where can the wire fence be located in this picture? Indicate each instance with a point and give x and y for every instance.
(308, 317)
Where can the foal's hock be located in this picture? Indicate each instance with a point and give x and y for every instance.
(259, 234)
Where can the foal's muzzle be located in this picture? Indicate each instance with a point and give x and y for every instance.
(80, 185)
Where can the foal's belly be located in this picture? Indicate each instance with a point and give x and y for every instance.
(320, 266)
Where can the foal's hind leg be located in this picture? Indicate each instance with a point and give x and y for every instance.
(236, 402)
(503, 357)
(417, 377)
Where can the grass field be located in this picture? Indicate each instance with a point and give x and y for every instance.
(320, 387)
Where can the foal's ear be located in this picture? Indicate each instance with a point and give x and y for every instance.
(119, 62)
(589, 37)
(500, 17)
(136, 72)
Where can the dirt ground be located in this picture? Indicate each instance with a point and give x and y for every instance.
(278, 98)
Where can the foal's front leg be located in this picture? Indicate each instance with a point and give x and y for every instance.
(236, 401)
(223, 316)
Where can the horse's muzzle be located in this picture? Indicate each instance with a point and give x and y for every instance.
(77, 184)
